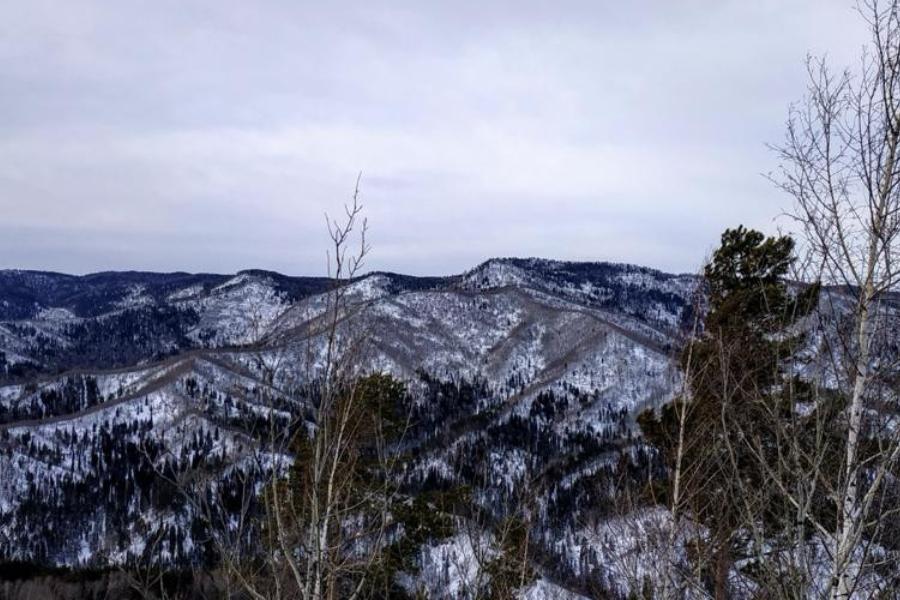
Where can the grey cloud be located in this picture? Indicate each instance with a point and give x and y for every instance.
(213, 135)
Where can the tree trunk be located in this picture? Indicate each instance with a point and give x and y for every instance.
(842, 582)
(722, 568)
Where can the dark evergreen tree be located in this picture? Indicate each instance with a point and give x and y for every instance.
(734, 370)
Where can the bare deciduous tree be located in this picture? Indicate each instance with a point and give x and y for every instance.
(313, 486)
(840, 163)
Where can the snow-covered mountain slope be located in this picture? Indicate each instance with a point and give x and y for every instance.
(520, 372)
(51, 322)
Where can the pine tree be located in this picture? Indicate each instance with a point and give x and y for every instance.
(734, 370)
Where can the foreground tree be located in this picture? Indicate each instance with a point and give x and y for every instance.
(307, 505)
(730, 367)
(327, 520)
(840, 164)
(785, 449)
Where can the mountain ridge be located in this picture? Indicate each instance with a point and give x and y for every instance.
(527, 364)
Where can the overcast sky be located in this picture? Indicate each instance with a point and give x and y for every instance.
(212, 136)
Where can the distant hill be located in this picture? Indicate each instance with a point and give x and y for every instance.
(516, 363)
